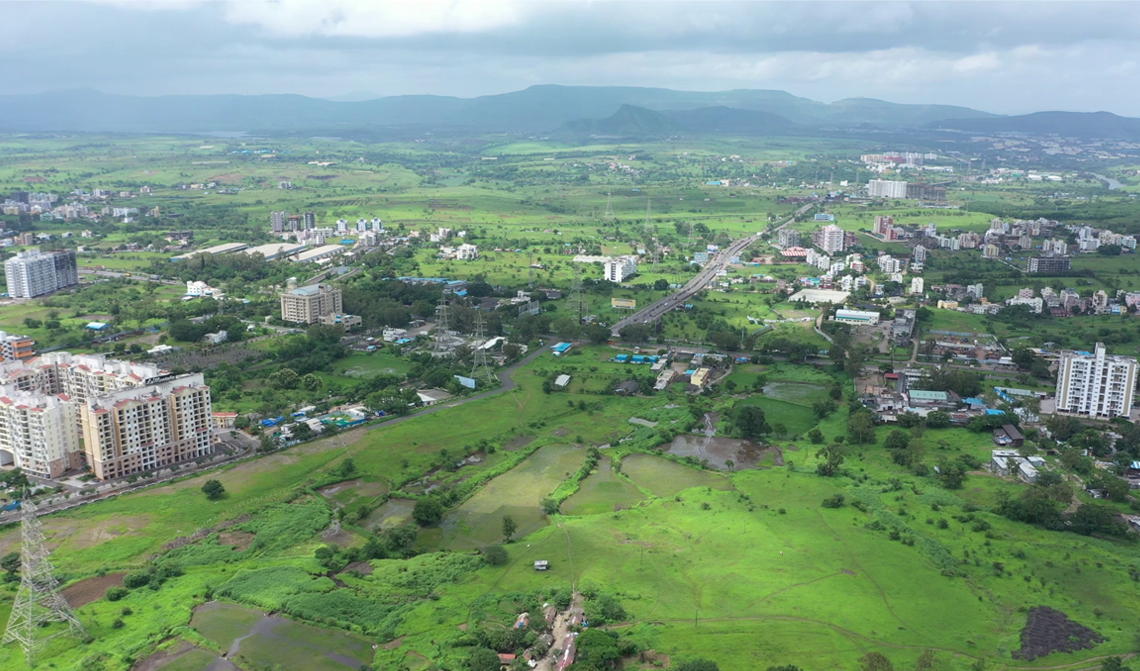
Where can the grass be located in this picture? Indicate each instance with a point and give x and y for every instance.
(602, 492)
(369, 365)
(193, 660)
(797, 418)
(223, 623)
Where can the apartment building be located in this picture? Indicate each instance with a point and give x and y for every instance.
(147, 427)
(79, 376)
(830, 239)
(32, 273)
(16, 348)
(885, 188)
(619, 268)
(789, 237)
(308, 304)
(1049, 265)
(1096, 383)
(39, 432)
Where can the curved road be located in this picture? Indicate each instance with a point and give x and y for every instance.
(699, 281)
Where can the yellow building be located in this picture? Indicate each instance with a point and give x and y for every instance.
(148, 427)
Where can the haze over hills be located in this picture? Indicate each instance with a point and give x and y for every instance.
(1104, 125)
(537, 109)
(639, 122)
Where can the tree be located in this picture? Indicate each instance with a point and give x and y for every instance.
(897, 440)
(11, 565)
(661, 285)
(823, 408)
(861, 427)
(832, 456)
(483, 659)
(495, 555)
(751, 421)
(815, 436)
(286, 378)
(937, 419)
(597, 648)
(509, 527)
(311, 382)
(634, 333)
(1113, 664)
(427, 511)
(213, 490)
(951, 473)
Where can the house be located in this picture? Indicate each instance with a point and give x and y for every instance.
(1011, 463)
(224, 420)
(1008, 435)
(561, 381)
(627, 388)
(542, 565)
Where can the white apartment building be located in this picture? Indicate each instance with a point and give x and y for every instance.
(975, 291)
(917, 285)
(885, 188)
(152, 426)
(39, 432)
(32, 273)
(830, 239)
(79, 376)
(199, 288)
(1096, 383)
(467, 252)
(919, 254)
(889, 264)
(620, 268)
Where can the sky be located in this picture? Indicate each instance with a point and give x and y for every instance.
(1004, 57)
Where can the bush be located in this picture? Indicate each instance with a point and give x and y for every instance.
(835, 501)
(213, 490)
(115, 593)
(136, 580)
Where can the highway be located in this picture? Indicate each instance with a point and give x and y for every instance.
(699, 281)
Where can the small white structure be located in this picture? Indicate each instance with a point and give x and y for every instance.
(561, 381)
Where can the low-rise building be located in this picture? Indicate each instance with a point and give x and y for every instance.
(857, 317)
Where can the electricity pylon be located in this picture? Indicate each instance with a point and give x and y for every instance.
(38, 601)
(441, 341)
(576, 302)
(482, 366)
(609, 215)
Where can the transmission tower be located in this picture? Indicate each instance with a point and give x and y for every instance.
(482, 366)
(530, 271)
(441, 339)
(689, 242)
(609, 215)
(576, 302)
(38, 602)
(648, 229)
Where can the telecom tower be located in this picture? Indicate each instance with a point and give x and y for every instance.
(609, 215)
(38, 602)
(441, 339)
(481, 369)
(576, 302)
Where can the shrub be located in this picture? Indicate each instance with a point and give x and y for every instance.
(428, 511)
(136, 580)
(213, 490)
(835, 501)
(115, 593)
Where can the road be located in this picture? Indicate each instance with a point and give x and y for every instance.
(700, 280)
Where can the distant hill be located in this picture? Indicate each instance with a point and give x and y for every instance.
(1104, 125)
(535, 109)
(628, 121)
(730, 120)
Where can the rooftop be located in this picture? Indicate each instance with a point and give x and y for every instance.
(924, 395)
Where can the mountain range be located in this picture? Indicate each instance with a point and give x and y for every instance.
(573, 110)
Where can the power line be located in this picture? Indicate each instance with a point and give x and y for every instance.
(38, 601)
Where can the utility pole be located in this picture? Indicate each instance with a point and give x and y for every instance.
(38, 602)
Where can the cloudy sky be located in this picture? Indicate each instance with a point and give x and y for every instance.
(1002, 57)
